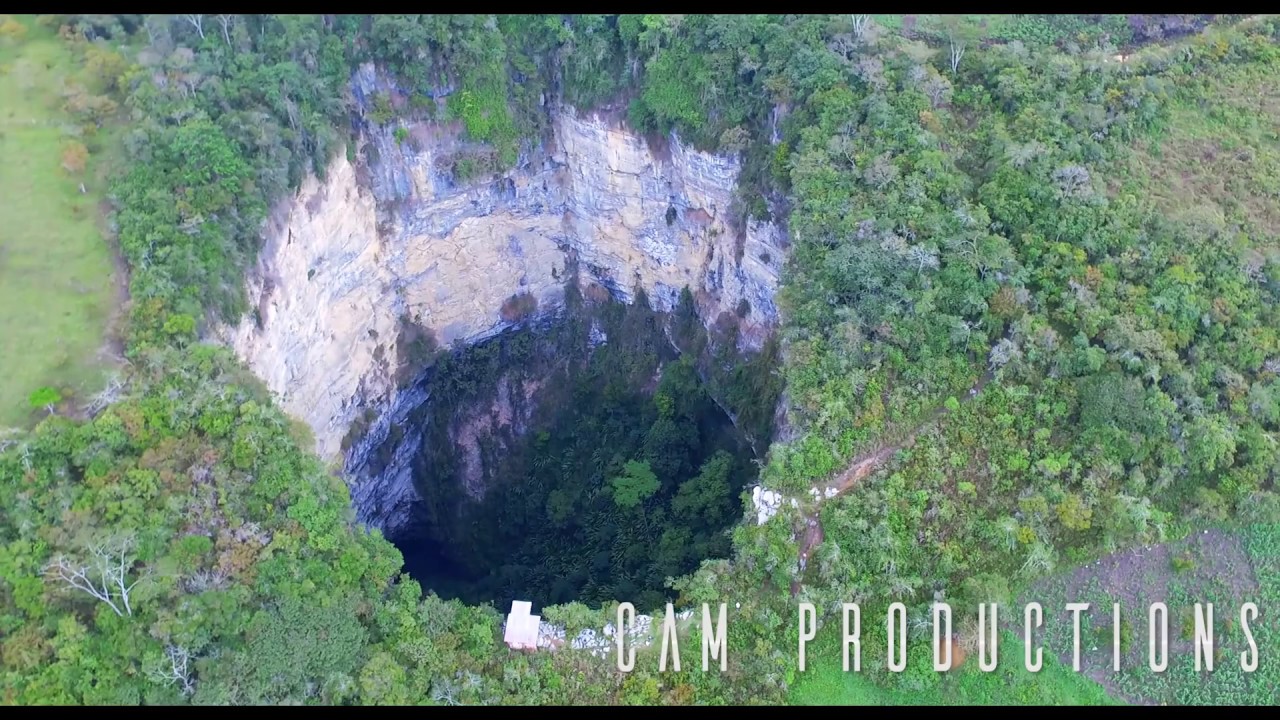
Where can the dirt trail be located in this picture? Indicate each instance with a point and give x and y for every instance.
(862, 466)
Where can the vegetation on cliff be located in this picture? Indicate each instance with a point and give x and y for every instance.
(959, 205)
(582, 459)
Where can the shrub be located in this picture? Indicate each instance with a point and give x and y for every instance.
(382, 112)
(518, 307)
(12, 29)
(74, 157)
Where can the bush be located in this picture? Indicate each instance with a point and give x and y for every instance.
(11, 29)
(518, 307)
(74, 157)
(382, 112)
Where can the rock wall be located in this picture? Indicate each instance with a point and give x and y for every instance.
(392, 235)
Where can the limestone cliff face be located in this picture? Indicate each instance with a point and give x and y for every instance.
(394, 236)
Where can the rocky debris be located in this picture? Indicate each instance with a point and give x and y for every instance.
(767, 503)
(642, 633)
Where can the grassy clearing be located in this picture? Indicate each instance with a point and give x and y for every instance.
(897, 22)
(57, 283)
(825, 683)
(1210, 566)
(1226, 568)
(1218, 163)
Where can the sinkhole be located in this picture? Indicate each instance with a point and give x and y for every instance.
(588, 456)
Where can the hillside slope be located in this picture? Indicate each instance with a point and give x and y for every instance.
(958, 208)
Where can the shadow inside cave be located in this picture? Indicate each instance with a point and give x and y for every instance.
(554, 467)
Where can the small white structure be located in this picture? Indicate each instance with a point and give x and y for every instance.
(522, 626)
(525, 631)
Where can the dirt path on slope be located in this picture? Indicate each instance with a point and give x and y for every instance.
(812, 535)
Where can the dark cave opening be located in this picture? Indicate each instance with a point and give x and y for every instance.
(588, 458)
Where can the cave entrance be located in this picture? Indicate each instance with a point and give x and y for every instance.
(587, 459)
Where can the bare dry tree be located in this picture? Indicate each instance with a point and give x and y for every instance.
(9, 438)
(105, 576)
(957, 53)
(226, 21)
(197, 22)
(109, 395)
(178, 671)
(861, 23)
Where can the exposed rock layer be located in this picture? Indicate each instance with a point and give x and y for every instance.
(392, 236)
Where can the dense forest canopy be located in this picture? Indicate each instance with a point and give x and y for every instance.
(617, 470)
(969, 208)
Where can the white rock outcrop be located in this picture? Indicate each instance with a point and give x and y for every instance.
(641, 632)
(767, 503)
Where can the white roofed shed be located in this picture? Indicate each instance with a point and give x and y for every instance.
(522, 627)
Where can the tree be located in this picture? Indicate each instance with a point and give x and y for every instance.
(86, 106)
(109, 395)
(637, 484)
(706, 495)
(960, 34)
(957, 52)
(158, 28)
(735, 140)
(1074, 513)
(226, 21)
(382, 682)
(861, 23)
(1212, 444)
(105, 576)
(173, 669)
(298, 644)
(197, 22)
(105, 66)
(45, 397)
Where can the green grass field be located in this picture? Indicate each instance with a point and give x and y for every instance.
(1218, 162)
(825, 683)
(1024, 28)
(1225, 568)
(57, 284)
